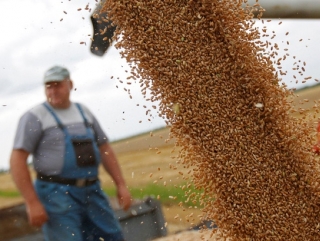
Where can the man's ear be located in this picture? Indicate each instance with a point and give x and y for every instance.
(70, 84)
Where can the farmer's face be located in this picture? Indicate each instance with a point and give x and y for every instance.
(58, 93)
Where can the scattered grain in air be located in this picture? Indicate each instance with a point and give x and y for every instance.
(64, 12)
(79, 9)
(234, 147)
(151, 174)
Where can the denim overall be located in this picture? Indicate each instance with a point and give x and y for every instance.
(71, 167)
(77, 213)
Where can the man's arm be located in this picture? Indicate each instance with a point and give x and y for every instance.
(21, 176)
(111, 165)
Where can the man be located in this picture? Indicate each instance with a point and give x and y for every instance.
(67, 145)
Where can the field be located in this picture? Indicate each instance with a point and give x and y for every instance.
(145, 160)
(149, 159)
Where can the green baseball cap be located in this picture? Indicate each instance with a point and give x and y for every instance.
(56, 73)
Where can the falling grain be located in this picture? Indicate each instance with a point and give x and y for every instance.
(223, 98)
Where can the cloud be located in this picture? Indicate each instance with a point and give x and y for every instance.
(34, 39)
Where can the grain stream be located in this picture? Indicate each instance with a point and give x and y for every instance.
(221, 94)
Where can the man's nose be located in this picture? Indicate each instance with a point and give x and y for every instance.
(52, 89)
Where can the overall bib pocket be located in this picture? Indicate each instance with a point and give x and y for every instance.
(84, 152)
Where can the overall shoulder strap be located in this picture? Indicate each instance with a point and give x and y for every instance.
(87, 124)
(49, 108)
(82, 114)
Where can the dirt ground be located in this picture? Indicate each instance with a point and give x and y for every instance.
(205, 235)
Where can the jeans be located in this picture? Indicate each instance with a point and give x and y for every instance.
(77, 213)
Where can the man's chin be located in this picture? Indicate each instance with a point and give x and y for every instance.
(55, 104)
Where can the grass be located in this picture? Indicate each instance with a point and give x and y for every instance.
(167, 195)
(9, 193)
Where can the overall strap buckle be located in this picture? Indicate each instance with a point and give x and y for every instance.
(81, 182)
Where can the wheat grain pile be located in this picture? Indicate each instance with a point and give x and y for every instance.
(219, 91)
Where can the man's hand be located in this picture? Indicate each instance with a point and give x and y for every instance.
(21, 176)
(37, 214)
(111, 165)
(124, 197)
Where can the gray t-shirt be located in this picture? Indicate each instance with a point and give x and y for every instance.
(39, 134)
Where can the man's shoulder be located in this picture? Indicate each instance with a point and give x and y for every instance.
(83, 106)
(32, 117)
(38, 113)
(38, 110)
(85, 109)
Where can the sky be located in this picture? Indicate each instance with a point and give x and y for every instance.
(38, 34)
